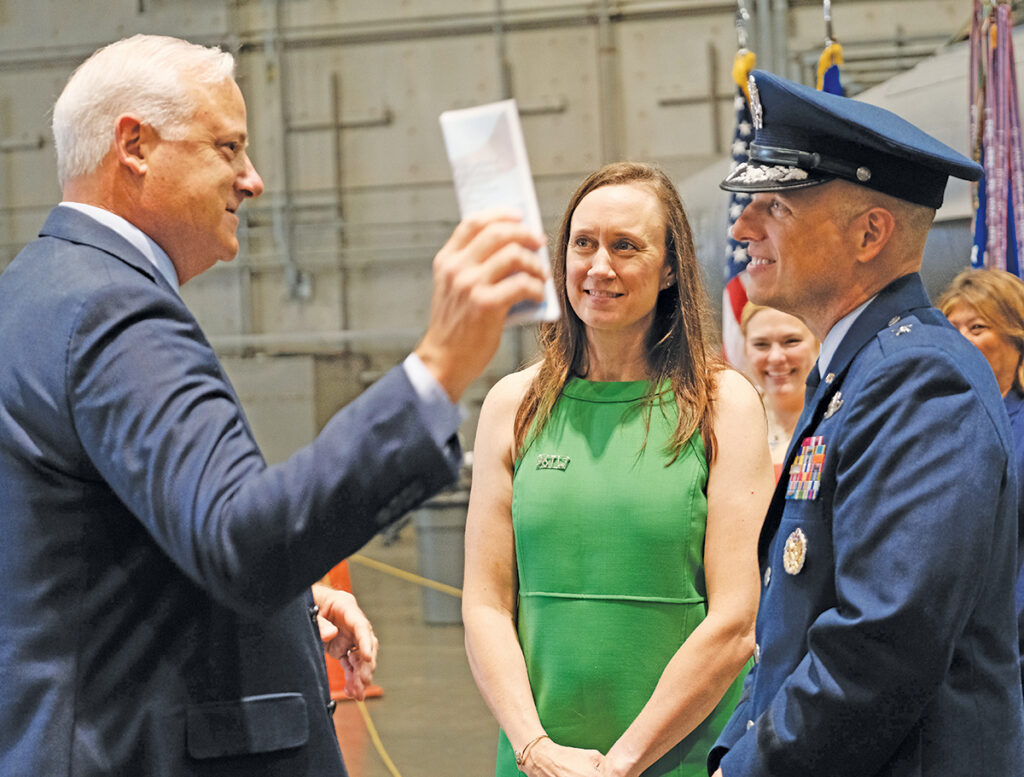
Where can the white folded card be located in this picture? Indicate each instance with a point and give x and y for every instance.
(488, 158)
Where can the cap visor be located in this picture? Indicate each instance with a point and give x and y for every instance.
(755, 177)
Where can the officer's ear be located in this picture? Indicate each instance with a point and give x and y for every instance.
(872, 230)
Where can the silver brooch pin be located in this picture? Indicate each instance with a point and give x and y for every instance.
(794, 554)
(834, 404)
(550, 461)
(903, 330)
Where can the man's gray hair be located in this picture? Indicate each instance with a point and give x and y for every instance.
(148, 75)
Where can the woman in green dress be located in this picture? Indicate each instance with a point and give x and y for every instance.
(618, 489)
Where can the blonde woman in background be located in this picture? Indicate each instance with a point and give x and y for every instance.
(987, 306)
(781, 351)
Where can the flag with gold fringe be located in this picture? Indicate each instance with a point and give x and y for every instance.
(995, 135)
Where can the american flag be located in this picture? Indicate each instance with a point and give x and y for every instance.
(734, 296)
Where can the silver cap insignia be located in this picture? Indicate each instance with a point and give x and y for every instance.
(756, 111)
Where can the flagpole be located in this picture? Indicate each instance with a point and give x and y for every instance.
(831, 57)
(742, 19)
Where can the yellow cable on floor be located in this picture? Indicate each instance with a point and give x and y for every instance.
(380, 566)
(375, 738)
(444, 588)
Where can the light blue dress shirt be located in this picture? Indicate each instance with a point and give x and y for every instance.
(835, 336)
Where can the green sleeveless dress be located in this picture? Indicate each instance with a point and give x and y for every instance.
(609, 548)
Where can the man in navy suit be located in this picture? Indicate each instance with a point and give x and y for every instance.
(886, 634)
(156, 614)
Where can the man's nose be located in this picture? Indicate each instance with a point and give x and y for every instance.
(250, 183)
(745, 228)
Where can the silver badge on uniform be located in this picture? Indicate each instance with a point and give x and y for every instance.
(795, 553)
(834, 404)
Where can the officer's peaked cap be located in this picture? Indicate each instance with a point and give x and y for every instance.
(803, 137)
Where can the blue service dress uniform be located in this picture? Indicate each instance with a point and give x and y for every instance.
(1014, 401)
(886, 635)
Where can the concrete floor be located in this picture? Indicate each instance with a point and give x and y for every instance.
(430, 718)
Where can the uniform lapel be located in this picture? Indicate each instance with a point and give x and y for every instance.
(892, 303)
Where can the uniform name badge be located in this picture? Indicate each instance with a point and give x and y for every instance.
(805, 473)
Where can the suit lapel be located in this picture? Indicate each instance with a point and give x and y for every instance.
(76, 227)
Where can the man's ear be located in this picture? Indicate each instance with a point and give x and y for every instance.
(872, 230)
(129, 143)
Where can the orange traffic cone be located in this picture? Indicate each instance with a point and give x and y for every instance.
(339, 579)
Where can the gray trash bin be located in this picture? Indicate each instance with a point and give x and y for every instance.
(440, 540)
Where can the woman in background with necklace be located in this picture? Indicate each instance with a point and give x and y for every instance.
(781, 352)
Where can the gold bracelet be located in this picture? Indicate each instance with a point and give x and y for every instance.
(521, 754)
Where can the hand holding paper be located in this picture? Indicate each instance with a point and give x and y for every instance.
(488, 158)
(488, 265)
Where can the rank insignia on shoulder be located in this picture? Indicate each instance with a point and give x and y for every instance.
(794, 554)
(550, 461)
(805, 472)
(834, 404)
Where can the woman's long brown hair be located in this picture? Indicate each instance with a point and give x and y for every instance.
(679, 345)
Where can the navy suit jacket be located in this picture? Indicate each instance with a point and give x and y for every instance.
(892, 649)
(155, 614)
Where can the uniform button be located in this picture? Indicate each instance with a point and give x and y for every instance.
(314, 610)
(767, 576)
(331, 706)
(757, 653)
(750, 724)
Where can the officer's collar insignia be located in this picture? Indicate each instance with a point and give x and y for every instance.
(795, 553)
